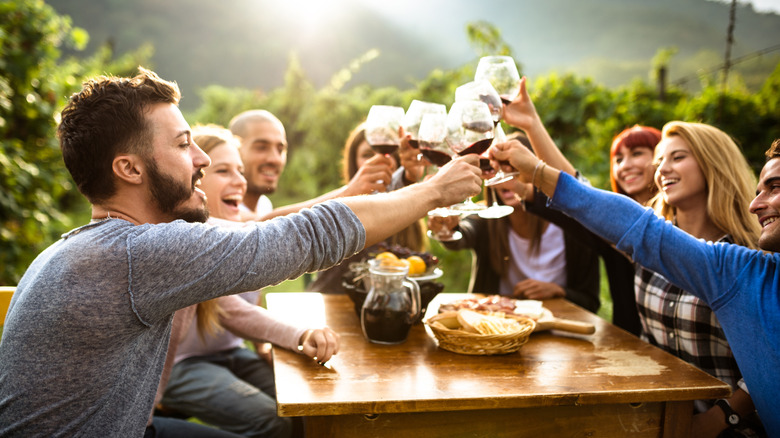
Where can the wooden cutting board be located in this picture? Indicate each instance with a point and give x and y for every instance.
(548, 321)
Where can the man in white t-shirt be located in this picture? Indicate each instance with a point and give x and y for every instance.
(264, 153)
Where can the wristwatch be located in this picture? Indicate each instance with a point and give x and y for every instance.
(732, 418)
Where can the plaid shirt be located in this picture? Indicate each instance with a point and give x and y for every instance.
(683, 325)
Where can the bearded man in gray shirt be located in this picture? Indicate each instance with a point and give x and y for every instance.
(87, 331)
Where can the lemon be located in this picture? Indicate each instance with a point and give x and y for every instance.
(416, 265)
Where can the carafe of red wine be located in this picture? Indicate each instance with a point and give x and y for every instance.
(392, 305)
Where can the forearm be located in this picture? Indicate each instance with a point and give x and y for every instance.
(294, 208)
(544, 147)
(256, 324)
(385, 214)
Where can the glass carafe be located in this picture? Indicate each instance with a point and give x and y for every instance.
(392, 305)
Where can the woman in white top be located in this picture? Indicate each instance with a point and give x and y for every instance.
(524, 256)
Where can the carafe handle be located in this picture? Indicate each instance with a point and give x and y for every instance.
(415, 289)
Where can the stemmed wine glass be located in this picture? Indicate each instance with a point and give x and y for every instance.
(382, 124)
(413, 118)
(470, 131)
(432, 136)
(481, 90)
(496, 211)
(501, 72)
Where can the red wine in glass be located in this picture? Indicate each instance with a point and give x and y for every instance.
(436, 158)
(414, 143)
(494, 105)
(484, 164)
(385, 149)
(477, 147)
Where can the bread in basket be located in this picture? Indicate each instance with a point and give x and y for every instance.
(476, 333)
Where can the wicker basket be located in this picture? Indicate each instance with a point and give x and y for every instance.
(463, 342)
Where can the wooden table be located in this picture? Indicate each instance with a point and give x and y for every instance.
(610, 384)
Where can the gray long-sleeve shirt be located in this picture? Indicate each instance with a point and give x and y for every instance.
(86, 335)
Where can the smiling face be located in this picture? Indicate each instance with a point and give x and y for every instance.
(679, 176)
(508, 191)
(766, 206)
(224, 183)
(173, 189)
(264, 153)
(632, 169)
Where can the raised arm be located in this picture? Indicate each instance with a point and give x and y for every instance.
(385, 214)
(373, 176)
(522, 114)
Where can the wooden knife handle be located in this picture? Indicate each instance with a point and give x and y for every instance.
(573, 326)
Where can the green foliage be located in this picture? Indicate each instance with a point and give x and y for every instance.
(38, 200)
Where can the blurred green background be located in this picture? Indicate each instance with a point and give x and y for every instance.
(320, 95)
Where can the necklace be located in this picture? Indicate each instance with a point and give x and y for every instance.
(101, 219)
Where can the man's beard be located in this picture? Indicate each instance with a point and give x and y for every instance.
(169, 194)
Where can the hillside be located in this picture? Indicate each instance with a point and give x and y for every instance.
(248, 44)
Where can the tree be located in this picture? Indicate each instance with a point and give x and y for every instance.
(38, 200)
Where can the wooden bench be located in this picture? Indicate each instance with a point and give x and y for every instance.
(6, 292)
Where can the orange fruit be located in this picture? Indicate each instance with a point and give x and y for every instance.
(387, 255)
(416, 265)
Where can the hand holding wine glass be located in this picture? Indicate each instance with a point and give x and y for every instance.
(521, 112)
(469, 131)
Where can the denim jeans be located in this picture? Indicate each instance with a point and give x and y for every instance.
(163, 427)
(233, 390)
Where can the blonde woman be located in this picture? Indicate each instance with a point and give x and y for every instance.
(214, 377)
(705, 188)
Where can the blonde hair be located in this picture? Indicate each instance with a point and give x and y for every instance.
(730, 180)
(209, 136)
(208, 313)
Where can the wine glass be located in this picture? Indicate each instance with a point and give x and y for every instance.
(501, 72)
(442, 223)
(470, 131)
(500, 176)
(496, 211)
(432, 137)
(382, 126)
(483, 91)
(413, 118)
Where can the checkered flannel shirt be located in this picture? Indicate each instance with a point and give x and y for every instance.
(683, 325)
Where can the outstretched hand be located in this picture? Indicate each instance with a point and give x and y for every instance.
(320, 344)
(516, 154)
(373, 176)
(459, 179)
(521, 112)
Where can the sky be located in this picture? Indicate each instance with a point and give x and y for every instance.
(766, 5)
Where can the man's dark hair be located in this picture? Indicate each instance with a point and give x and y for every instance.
(106, 118)
(774, 150)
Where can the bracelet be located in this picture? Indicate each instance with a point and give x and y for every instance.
(304, 338)
(539, 164)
